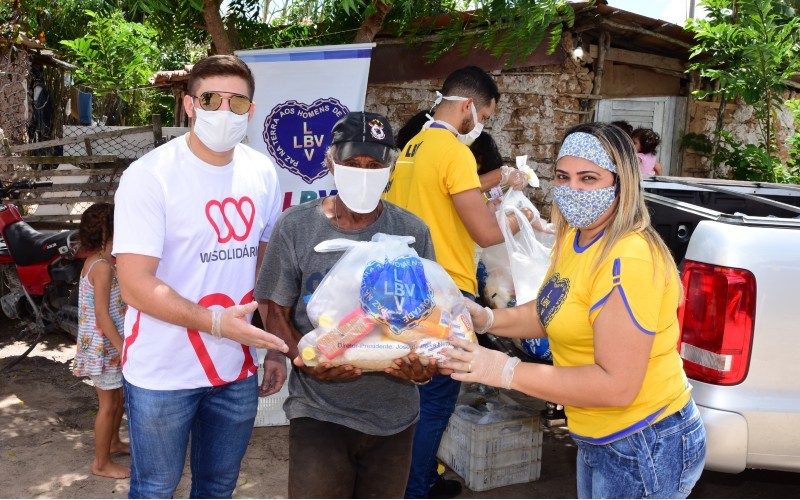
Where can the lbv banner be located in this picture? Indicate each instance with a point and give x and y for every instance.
(300, 94)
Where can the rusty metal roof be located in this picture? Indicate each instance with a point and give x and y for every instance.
(170, 78)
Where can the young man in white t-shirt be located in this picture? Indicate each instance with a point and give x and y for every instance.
(192, 221)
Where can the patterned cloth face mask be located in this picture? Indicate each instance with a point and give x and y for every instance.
(583, 208)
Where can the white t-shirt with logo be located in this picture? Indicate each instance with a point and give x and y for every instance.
(204, 223)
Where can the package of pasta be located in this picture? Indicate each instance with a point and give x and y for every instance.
(381, 302)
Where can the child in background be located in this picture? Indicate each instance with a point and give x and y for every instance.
(646, 141)
(624, 125)
(101, 316)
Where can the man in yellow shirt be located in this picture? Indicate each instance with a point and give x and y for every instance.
(436, 178)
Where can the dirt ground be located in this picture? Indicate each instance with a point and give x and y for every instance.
(46, 439)
(46, 444)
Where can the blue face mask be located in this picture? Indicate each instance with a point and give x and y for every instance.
(583, 208)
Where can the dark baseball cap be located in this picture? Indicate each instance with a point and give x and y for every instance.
(360, 133)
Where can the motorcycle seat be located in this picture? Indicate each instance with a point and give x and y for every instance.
(29, 246)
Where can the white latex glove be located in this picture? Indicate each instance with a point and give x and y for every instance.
(513, 177)
(522, 165)
(482, 317)
(473, 363)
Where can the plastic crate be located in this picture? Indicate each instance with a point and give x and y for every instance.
(270, 408)
(492, 455)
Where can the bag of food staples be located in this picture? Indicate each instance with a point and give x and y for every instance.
(381, 302)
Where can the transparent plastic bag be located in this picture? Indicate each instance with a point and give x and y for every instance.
(528, 259)
(512, 272)
(380, 302)
(494, 278)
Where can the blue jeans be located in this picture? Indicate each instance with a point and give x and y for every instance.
(664, 460)
(220, 422)
(437, 402)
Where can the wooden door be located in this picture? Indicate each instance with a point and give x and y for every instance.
(665, 115)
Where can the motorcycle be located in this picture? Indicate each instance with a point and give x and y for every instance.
(39, 272)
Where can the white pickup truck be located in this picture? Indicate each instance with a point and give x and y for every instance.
(738, 247)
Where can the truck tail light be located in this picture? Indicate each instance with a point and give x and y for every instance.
(716, 319)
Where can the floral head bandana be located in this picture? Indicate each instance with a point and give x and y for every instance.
(588, 147)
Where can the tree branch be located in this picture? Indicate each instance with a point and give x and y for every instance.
(219, 37)
(374, 22)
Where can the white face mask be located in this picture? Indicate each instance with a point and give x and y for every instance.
(220, 130)
(470, 136)
(360, 189)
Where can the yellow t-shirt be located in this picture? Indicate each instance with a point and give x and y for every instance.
(432, 168)
(571, 299)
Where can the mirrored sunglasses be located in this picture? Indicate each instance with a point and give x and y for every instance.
(211, 101)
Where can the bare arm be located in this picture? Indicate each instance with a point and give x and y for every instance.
(262, 248)
(519, 322)
(142, 290)
(622, 353)
(479, 219)
(101, 280)
(277, 319)
(621, 356)
(274, 362)
(657, 168)
(490, 179)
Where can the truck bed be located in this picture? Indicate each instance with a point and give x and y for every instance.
(753, 423)
(678, 204)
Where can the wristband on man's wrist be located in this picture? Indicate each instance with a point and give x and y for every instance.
(216, 324)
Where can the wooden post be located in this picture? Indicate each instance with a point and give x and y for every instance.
(88, 144)
(177, 119)
(6, 145)
(603, 46)
(158, 137)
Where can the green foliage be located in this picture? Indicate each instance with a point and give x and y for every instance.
(176, 23)
(70, 19)
(113, 56)
(793, 165)
(28, 17)
(699, 143)
(512, 29)
(750, 51)
(503, 27)
(788, 8)
(748, 162)
(306, 23)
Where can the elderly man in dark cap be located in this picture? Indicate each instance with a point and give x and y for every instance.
(350, 433)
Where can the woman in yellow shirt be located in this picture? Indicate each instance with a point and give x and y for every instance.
(609, 309)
